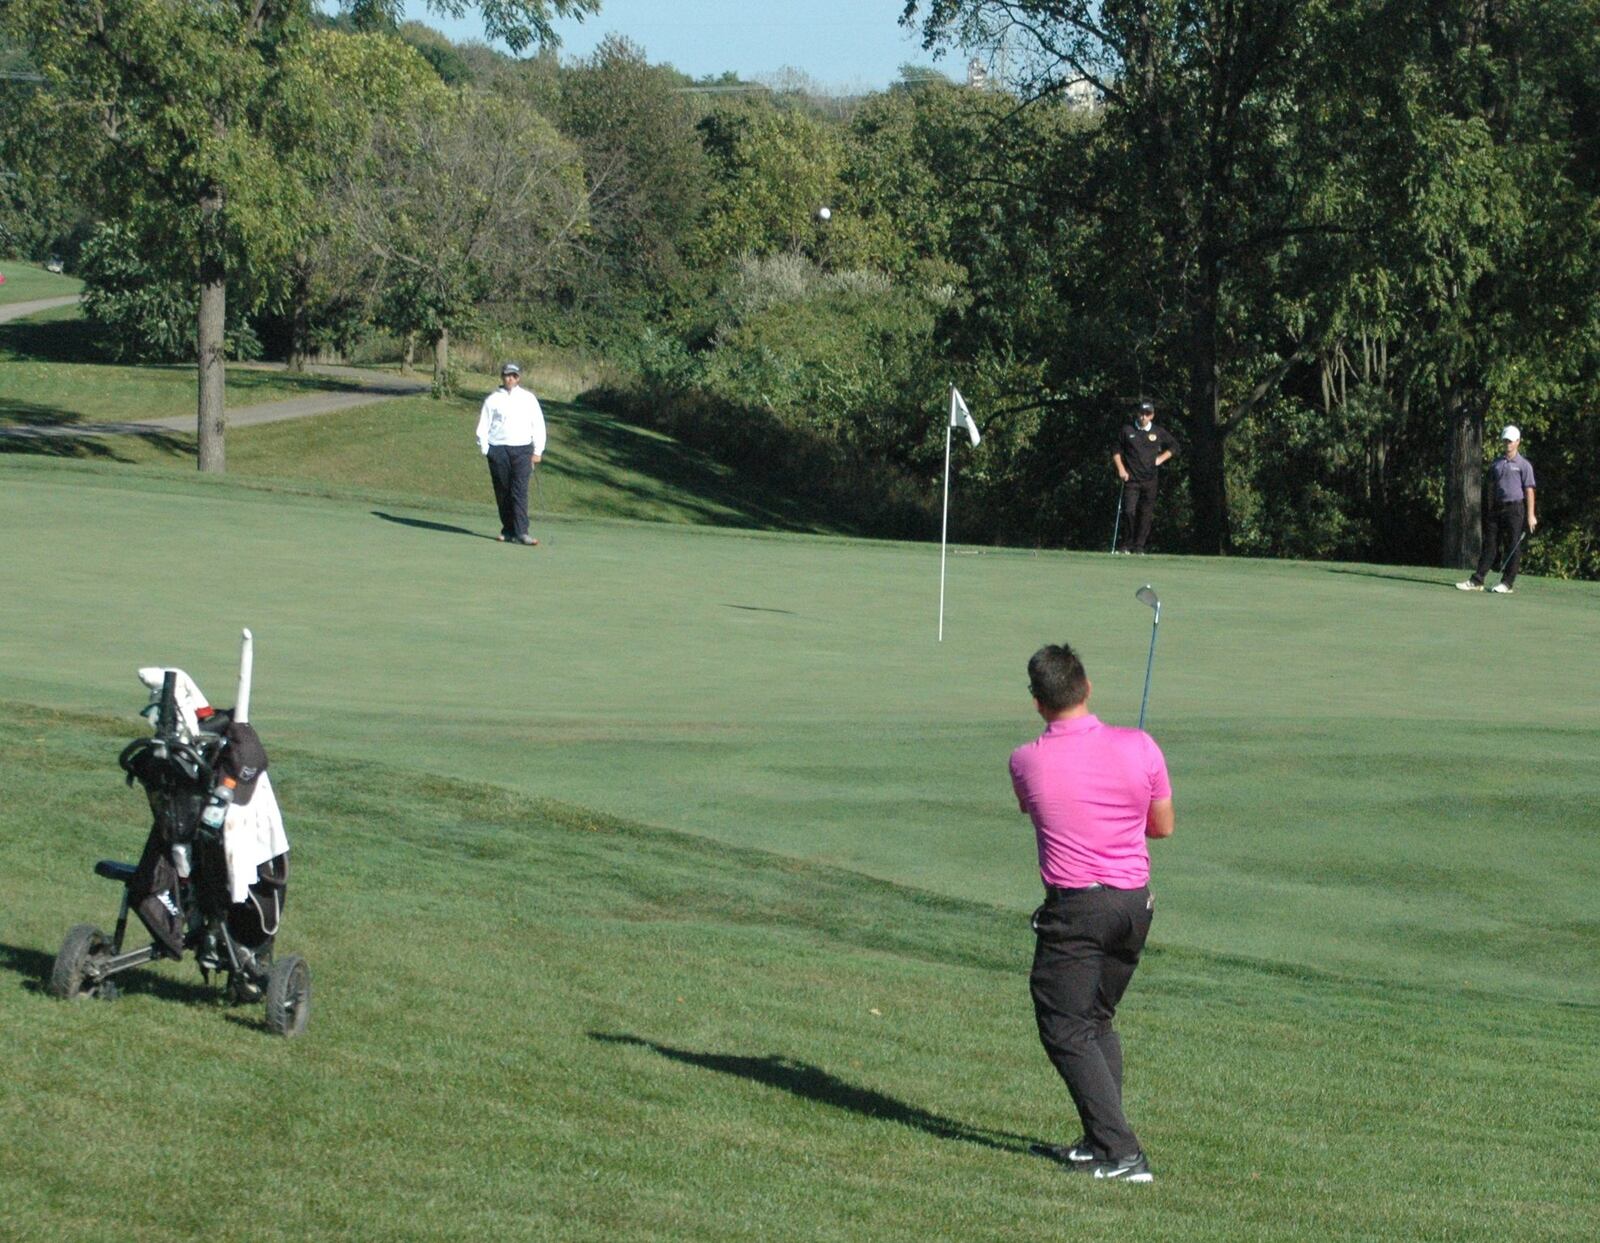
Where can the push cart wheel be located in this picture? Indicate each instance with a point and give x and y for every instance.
(71, 967)
(288, 996)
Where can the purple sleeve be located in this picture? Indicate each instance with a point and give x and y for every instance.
(1527, 472)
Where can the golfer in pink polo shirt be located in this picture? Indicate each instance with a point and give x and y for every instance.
(1095, 793)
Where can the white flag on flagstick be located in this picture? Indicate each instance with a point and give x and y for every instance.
(960, 416)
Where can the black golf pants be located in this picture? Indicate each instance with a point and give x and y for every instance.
(1089, 941)
(1502, 528)
(1138, 512)
(509, 468)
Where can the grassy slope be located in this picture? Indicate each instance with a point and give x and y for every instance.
(49, 376)
(1381, 889)
(1342, 803)
(533, 1022)
(27, 282)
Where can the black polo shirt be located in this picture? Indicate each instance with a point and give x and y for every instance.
(1140, 448)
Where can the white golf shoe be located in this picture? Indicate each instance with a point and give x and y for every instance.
(1500, 589)
(1469, 585)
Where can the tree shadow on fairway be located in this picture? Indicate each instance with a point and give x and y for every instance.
(1399, 578)
(815, 1084)
(423, 525)
(34, 966)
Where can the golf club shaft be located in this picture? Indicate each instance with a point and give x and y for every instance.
(1149, 665)
(1516, 544)
(1116, 528)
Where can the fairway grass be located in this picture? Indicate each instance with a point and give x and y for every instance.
(665, 882)
(534, 1022)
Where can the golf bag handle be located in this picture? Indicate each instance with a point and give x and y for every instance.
(167, 714)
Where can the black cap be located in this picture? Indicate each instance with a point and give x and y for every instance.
(1147, 407)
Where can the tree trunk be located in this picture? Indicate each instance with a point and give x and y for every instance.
(210, 344)
(441, 361)
(299, 318)
(408, 354)
(1463, 479)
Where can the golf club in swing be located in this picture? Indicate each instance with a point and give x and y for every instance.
(1116, 528)
(1147, 595)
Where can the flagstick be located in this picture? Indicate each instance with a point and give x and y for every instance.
(944, 529)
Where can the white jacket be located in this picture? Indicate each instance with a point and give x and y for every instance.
(511, 417)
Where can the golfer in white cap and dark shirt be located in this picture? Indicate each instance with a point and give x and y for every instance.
(1095, 793)
(511, 436)
(1510, 509)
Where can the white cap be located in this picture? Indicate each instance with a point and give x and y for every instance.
(1512, 432)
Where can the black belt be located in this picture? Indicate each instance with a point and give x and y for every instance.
(1057, 891)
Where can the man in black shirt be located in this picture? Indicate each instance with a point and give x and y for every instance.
(1142, 448)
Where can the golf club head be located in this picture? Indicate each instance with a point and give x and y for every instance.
(1146, 595)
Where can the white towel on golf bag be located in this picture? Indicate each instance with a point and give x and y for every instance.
(251, 835)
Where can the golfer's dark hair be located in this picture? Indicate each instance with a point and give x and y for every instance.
(1056, 677)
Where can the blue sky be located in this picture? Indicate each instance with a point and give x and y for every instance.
(842, 44)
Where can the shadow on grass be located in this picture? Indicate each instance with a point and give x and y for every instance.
(423, 525)
(53, 341)
(34, 967)
(674, 475)
(1399, 578)
(42, 431)
(756, 608)
(815, 1084)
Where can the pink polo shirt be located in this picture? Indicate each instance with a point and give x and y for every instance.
(1088, 789)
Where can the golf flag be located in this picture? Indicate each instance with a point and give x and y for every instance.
(960, 416)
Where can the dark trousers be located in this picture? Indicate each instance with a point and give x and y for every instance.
(1502, 528)
(509, 468)
(1089, 943)
(1138, 512)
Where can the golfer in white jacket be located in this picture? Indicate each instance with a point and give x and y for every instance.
(511, 436)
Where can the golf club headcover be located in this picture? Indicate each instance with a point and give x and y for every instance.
(244, 759)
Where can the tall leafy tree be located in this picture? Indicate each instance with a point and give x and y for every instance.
(175, 97)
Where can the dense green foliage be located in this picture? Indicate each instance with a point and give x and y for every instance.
(1334, 241)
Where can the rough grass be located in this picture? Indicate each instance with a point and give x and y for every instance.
(534, 1022)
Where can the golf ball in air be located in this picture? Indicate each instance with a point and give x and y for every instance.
(824, 213)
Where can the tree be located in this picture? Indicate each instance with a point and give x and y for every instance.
(177, 94)
(457, 204)
(647, 176)
(1204, 177)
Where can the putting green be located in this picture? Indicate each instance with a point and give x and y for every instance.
(1374, 774)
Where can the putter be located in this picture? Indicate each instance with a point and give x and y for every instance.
(1147, 595)
(538, 507)
(1116, 528)
(1516, 544)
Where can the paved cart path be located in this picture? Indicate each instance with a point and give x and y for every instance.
(19, 310)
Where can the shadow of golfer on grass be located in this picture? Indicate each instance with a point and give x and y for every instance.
(815, 1084)
(424, 525)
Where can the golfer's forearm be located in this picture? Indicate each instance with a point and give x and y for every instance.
(1527, 494)
(1122, 470)
(1161, 820)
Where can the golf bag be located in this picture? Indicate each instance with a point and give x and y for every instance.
(216, 845)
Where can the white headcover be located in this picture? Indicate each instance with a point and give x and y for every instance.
(186, 694)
